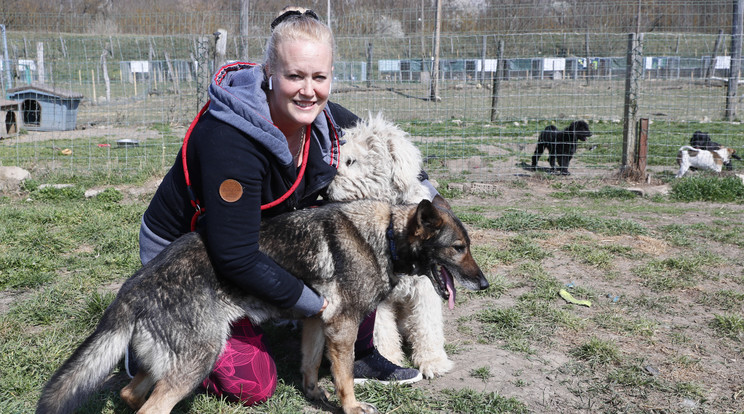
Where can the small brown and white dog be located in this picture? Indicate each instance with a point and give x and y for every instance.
(702, 159)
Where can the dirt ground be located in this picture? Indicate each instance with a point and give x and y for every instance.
(683, 364)
(680, 349)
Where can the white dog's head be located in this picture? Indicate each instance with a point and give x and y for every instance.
(378, 161)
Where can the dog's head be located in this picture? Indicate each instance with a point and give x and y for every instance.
(700, 140)
(730, 153)
(443, 247)
(378, 161)
(579, 130)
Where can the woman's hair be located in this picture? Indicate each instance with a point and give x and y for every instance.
(296, 23)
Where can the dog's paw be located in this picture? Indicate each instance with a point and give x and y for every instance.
(316, 393)
(436, 367)
(361, 408)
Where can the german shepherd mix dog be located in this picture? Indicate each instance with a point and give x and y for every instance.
(176, 313)
(561, 145)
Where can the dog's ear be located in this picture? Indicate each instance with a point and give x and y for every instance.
(406, 160)
(428, 219)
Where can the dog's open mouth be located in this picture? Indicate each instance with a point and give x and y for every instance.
(446, 285)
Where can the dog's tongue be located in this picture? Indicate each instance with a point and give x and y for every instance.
(450, 288)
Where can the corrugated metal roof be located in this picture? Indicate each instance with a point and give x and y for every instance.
(6, 102)
(47, 89)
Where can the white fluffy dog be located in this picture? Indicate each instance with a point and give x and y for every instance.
(378, 161)
(702, 159)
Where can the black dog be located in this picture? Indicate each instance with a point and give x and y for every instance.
(561, 145)
(701, 140)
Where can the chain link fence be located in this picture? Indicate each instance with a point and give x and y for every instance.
(136, 93)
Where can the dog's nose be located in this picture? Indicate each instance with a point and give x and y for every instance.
(483, 283)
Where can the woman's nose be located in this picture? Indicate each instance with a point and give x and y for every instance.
(307, 87)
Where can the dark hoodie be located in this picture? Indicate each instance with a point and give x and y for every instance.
(236, 140)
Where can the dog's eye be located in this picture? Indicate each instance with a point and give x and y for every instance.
(459, 248)
(350, 162)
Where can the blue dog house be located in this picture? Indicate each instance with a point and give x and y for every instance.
(44, 108)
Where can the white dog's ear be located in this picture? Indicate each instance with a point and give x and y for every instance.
(406, 157)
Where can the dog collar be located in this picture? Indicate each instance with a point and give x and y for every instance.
(391, 240)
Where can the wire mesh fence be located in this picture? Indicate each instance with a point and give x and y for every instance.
(139, 92)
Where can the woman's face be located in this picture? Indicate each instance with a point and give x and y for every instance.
(301, 82)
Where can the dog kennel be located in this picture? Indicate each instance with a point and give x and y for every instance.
(44, 108)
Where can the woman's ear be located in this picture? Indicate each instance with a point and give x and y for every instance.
(330, 87)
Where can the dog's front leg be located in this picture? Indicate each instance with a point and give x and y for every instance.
(312, 353)
(387, 338)
(424, 328)
(340, 336)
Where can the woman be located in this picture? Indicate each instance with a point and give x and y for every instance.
(267, 144)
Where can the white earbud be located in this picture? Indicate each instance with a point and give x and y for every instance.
(271, 84)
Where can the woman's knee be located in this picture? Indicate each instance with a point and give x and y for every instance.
(245, 371)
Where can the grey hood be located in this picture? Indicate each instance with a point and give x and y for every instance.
(238, 99)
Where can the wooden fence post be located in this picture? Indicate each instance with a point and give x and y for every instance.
(220, 49)
(40, 62)
(500, 70)
(641, 157)
(633, 79)
(104, 70)
(434, 91)
(733, 81)
(368, 75)
(203, 74)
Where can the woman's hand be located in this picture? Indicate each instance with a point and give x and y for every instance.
(325, 305)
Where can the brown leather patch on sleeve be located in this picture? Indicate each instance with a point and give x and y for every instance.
(231, 190)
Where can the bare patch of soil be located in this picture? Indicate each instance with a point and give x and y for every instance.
(672, 359)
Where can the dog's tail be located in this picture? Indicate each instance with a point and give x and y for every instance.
(89, 365)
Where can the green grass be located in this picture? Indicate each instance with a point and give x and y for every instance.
(520, 220)
(729, 325)
(62, 256)
(708, 188)
(482, 373)
(675, 272)
(598, 352)
(604, 193)
(518, 248)
(470, 401)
